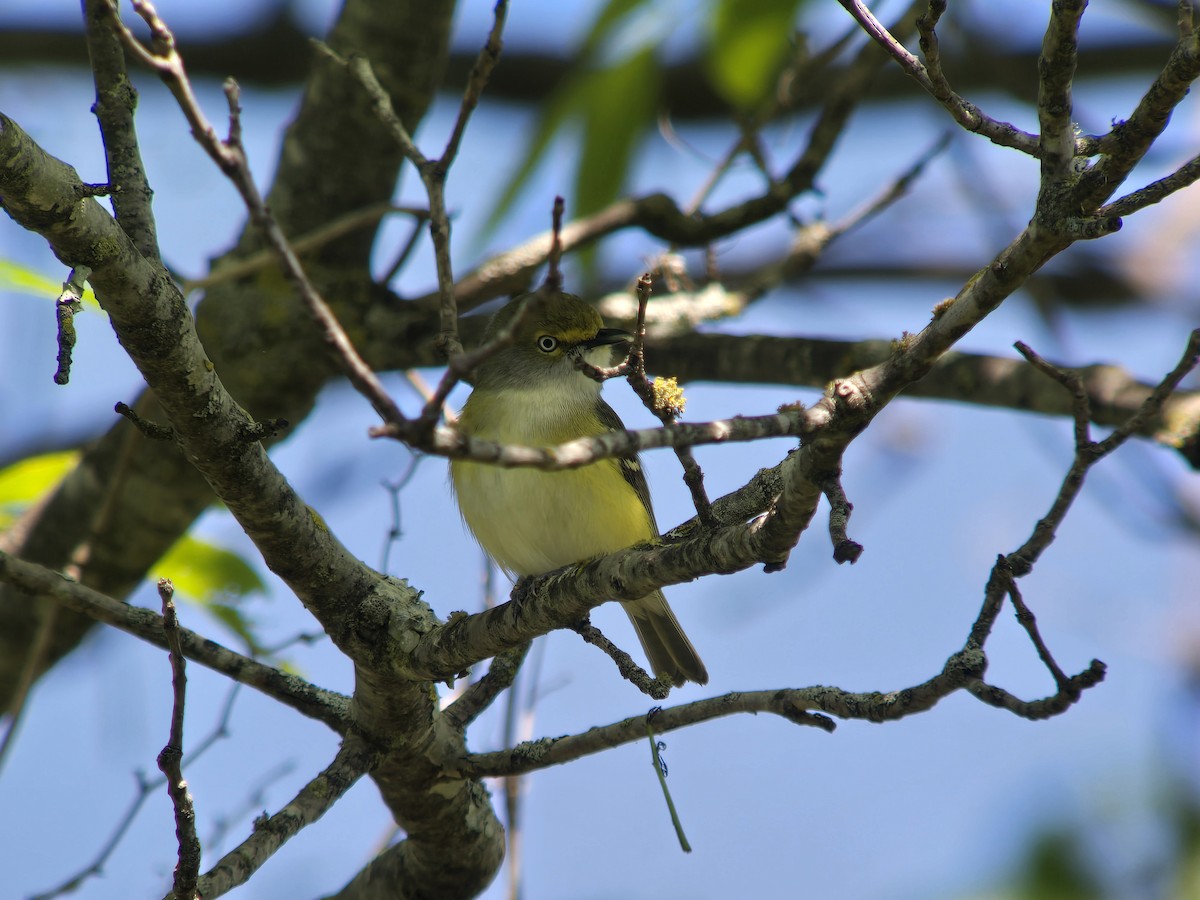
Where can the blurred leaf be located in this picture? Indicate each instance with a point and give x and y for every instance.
(27, 480)
(748, 43)
(1055, 869)
(215, 579)
(586, 95)
(23, 280)
(202, 571)
(554, 116)
(610, 16)
(239, 623)
(1183, 815)
(618, 105)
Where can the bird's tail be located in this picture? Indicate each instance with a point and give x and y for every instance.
(670, 652)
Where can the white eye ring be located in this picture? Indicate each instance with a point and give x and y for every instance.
(547, 344)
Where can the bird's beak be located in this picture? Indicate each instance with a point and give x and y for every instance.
(607, 336)
(593, 350)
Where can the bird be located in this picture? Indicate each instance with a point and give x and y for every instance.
(530, 392)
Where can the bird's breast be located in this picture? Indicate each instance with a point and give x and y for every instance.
(532, 521)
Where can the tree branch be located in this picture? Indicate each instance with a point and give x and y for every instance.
(479, 695)
(1056, 74)
(353, 760)
(316, 703)
(116, 99)
(979, 379)
(1127, 143)
(965, 113)
(963, 670)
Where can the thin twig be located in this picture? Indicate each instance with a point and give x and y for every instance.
(1156, 191)
(187, 868)
(115, 102)
(662, 397)
(573, 454)
(230, 157)
(146, 789)
(633, 673)
(808, 244)
(478, 696)
(801, 69)
(801, 706)
(393, 488)
(519, 718)
(659, 216)
(1028, 621)
(303, 696)
(407, 250)
(554, 277)
(1132, 137)
(1081, 411)
(306, 243)
(47, 615)
(433, 173)
(459, 367)
(660, 769)
(1153, 404)
(1009, 567)
(353, 760)
(248, 806)
(931, 48)
(166, 61)
(69, 302)
(1088, 452)
(966, 113)
(844, 549)
(1036, 710)
(893, 191)
(481, 72)
(148, 429)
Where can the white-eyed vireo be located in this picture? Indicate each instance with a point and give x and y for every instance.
(532, 521)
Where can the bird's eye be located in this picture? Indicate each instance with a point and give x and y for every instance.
(547, 344)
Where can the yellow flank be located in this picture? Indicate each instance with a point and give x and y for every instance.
(531, 521)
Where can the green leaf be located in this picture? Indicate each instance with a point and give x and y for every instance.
(239, 623)
(748, 43)
(205, 571)
(619, 104)
(556, 114)
(569, 102)
(1056, 868)
(215, 579)
(24, 280)
(610, 16)
(27, 480)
